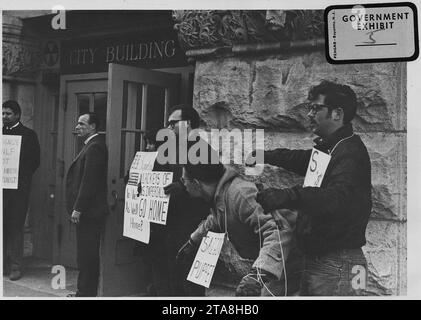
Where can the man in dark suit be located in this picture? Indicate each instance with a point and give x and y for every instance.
(86, 200)
(15, 201)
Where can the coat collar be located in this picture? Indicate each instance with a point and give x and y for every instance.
(329, 142)
(226, 178)
(90, 141)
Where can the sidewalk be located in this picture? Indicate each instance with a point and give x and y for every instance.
(36, 281)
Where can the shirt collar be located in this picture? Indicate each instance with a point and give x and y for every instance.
(90, 138)
(14, 126)
(330, 141)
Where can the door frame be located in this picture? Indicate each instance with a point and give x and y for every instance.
(60, 174)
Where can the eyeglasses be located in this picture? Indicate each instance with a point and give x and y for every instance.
(316, 107)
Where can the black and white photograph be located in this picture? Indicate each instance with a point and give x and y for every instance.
(162, 152)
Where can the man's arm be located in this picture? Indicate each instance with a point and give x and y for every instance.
(291, 160)
(35, 151)
(95, 168)
(209, 224)
(275, 242)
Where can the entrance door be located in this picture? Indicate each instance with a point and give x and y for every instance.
(80, 94)
(138, 100)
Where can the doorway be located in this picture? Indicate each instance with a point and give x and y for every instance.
(129, 102)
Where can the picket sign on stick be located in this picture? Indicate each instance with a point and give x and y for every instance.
(203, 267)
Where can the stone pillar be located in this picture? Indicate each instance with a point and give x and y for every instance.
(268, 90)
(21, 60)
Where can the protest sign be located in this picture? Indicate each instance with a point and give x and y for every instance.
(11, 154)
(316, 168)
(136, 227)
(204, 263)
(148, 203)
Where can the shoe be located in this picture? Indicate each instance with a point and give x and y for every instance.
(15, 275)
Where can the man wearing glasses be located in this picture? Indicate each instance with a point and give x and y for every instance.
(184, 215)
(334, 203)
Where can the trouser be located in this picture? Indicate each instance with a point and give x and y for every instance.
(15, 207)
(88, 235)
(169, 276)
(339, 273)
(289, 284)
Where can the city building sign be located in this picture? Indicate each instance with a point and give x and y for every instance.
(94, 55)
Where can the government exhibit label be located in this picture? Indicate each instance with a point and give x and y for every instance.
(371, 33)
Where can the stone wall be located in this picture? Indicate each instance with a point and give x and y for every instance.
(269, 92)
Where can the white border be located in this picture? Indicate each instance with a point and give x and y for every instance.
(413, 99)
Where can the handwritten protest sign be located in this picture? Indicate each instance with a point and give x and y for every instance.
(153, 202)
(203, 267)
(148, 203)
(11, 154)
(135, 227)
(316, 168)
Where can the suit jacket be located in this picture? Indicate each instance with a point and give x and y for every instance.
(86, 181)
(29, 159)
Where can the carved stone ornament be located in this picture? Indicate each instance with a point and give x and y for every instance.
(20, 60)
(218, 28)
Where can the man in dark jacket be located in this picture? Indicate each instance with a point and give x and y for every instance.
(334, 204)
(184, 215)
(86, 200)
(15, 201)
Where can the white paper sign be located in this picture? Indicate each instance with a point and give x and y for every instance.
(203, 267)
(316, 168)
(143, 161)
(11, 155)
(134, 226)
(153, 202)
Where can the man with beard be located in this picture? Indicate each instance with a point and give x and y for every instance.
(333, 206)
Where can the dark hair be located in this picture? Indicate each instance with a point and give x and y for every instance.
(187, 113)
(150, 135)
(14, 106)
(93, 118)
(336, 96)
(206, 172)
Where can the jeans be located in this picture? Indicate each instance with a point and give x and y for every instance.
(339, 273)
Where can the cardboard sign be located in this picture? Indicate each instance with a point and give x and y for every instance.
(203, 267)
(316, 168)
(143, 161)
(134, 226)
(153, 202)
(11, 156)
(148, 205)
